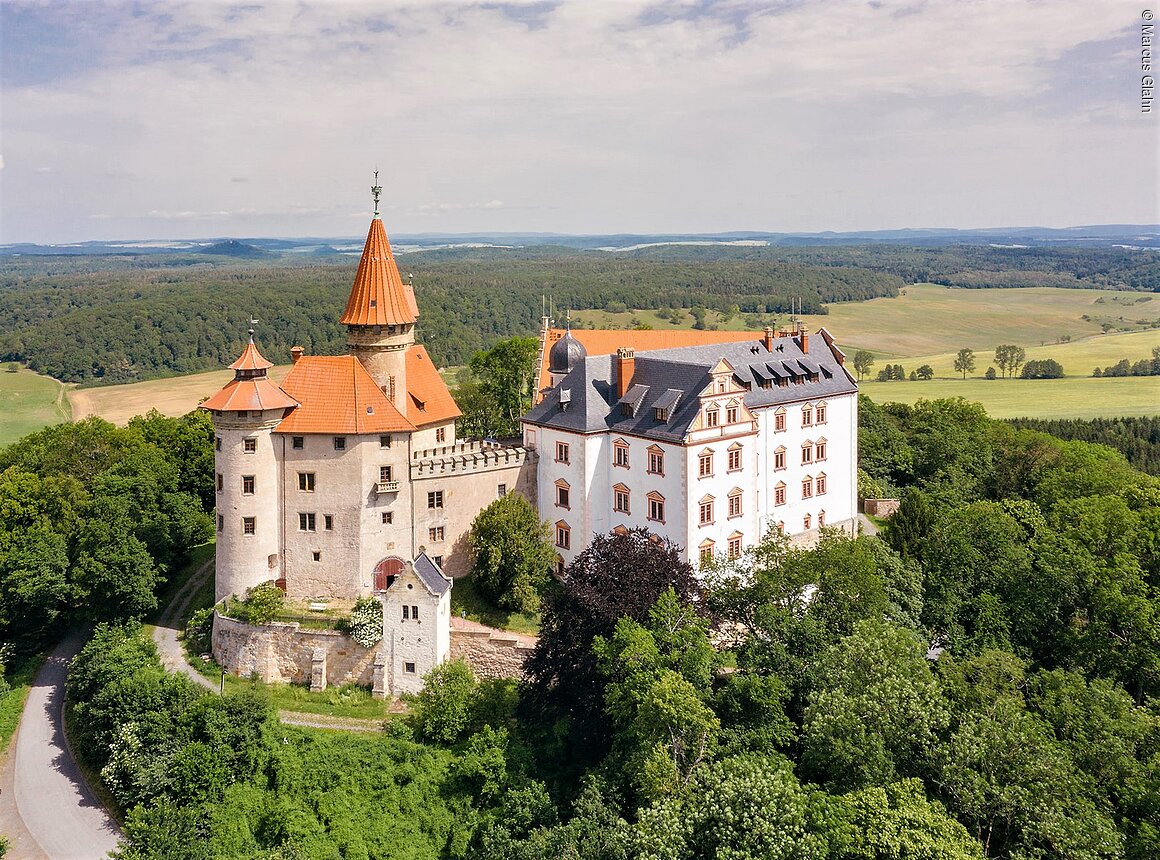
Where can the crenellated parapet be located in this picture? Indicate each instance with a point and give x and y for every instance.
(466, 457)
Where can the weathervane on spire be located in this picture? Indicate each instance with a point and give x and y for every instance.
(253, 322)
(376, 191)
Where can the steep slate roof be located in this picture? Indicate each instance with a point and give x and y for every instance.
(378, 295)
(593, 405)
(600, 342)
(338, 395)
(428, 399)
(249, 389)
(431, 575)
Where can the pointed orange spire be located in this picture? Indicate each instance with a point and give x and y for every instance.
(379, 296)
(251, 359)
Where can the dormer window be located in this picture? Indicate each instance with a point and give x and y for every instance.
(661, 414)
(731, 413)
(712, 417)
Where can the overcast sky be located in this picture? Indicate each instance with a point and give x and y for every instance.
(165, 120)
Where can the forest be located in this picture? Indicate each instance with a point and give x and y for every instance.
(980, 681)
(124, 318)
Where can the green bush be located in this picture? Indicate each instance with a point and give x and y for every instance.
(443, 710)
(199, 631)
(365, 625)
(512, 556)
(260, 605)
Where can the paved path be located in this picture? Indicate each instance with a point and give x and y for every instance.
(169, 625)
(47, 809)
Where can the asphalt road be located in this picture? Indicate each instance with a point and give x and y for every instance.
(47, 809)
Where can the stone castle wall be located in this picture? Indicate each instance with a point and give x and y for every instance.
(284, 653)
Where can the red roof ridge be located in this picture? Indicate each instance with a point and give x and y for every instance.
(378, 295)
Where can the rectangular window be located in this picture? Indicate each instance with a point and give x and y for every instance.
(734, 547)
(384, 441)
(217, 443)
(706, 555)
(821, 485)
(620, 501)
(735, 505)
(501, 491)
(779, 494)
(306, 482)
(706, 513)
(339, 443)
(409, 668)
(249, 526)
(297, 443)
(306, 522)
(438, 559)
(731, 415)
(317, 555)
(807, 454)
(820, 418)
(712, 417)
(435, 499)
(656, 462)
(779, 422)
(806, 521)
(249, 446)
(807, 416)
(820, 451)
(807, 488)
(563, 497)
(328, 522)
(779, 458)
(435, 535)
(562, 452)
(221, 523)
(656, 509)
(384, 473)
(247, 485)
(440, 434)
(705, 466)
(388, 518)
(735, 460)
(563, 536)
(620, 455)
(221, 482)
(406, 612)
(414, 613)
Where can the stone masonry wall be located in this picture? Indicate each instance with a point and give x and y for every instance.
(491, 654)
(881, 508)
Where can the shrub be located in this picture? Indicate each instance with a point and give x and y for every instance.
(443, 710)
(1047, 368)
(990, 374)
(366, 622)
(199, 631)
(512, 556)
(260, 605)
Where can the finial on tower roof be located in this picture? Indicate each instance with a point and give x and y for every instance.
(376, 192)
(253, 322)
(568, 319)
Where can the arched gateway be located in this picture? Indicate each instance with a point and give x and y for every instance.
(386, 571)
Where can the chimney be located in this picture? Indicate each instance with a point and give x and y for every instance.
(804, 338)
(768, 339)
(296, 353)
(625, 367)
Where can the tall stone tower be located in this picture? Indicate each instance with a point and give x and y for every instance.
(380, 314)
(249, 517)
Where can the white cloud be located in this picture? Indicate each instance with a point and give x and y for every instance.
(592, 116)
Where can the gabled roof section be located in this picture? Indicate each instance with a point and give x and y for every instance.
(379, 296)
(337, 395)
(428, 400)
(431, 576)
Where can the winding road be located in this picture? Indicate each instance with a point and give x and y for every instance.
(47, 809)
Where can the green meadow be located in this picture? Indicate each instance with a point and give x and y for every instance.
(29, 401)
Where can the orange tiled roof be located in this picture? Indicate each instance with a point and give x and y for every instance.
(428, 399)
(251, 359)
(337, 395)
(602, 342)
(379, 296)
(256, 393)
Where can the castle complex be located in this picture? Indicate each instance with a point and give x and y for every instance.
(347, 480)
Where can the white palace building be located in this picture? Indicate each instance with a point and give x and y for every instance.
(709, 445)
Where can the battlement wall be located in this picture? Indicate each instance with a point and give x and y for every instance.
(467, 457)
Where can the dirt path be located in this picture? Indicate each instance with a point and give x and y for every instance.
(169, 625)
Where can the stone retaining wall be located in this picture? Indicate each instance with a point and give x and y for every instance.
(881, 508)
(491, 654)
(284, 653)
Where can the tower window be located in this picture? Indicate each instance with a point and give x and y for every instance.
(248, 526)
(388, 518)
(221, 522)
(317, 555)
(221, 482)
(384, 473)
(217, 443)
(409, 668)
(384, 441)
(435, 499)
(247, 485)
(435, 535)
(339, 443)
(249, 446)
(306, 522)
(440, 434)
(297, 443)
(328, 521)
(306, 482)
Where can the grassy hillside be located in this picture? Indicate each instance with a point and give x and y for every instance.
(29, 401)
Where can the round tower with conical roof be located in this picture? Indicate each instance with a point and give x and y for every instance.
(380, 313)
(249, 516)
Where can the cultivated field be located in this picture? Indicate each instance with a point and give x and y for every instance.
(174, 396)
(1034, 398)
(29, 401)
